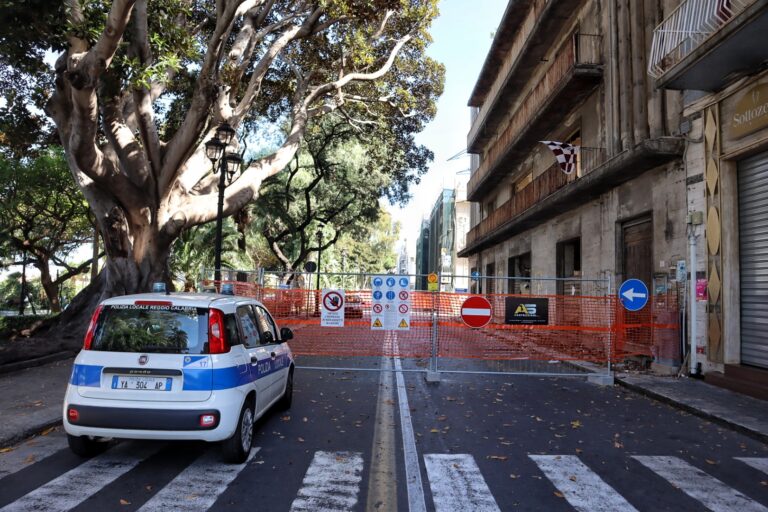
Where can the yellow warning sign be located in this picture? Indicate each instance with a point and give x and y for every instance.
(377, 323)
(403, 324)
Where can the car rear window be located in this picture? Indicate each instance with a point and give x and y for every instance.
(152, 328)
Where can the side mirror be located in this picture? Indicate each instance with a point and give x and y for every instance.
(267, 338)
(286, 334)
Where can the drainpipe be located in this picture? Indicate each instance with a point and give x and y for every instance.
(694, 219)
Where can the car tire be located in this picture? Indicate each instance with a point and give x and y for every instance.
(237, 448)
(85, 446)
(285, 401)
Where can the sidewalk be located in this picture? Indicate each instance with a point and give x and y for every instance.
(734, 410)
(31, 400)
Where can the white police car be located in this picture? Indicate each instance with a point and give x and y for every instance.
(178, 366)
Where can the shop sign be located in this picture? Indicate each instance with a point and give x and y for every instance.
(750, 112)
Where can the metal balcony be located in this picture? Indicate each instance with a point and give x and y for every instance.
(703, 44)
(573, 74)
(553, 192)
(528, 30)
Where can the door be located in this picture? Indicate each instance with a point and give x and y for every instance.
(277, 370)
(753, 254)
(637, 236)
(260, 360)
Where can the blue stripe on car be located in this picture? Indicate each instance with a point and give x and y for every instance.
(86, 375)
(196, 379)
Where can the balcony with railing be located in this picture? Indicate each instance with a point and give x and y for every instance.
(575, 71)
(537, 25)
(543, 186)
(703, 44)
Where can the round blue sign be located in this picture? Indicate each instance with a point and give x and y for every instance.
(633, 294)
(390, 282)
(377, 281)
(404, 282)
(390, 295)
(377, 295)
(475, 275)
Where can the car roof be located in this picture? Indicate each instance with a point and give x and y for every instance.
(204, 300)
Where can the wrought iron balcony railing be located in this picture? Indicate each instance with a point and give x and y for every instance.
(580, 49)
(544, 185)
(687, 28)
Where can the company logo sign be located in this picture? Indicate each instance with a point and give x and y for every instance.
(528, 311)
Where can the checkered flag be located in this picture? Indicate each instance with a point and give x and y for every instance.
(564, 153)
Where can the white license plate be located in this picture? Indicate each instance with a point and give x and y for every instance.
(142, 383)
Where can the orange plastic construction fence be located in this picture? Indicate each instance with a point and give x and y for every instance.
(577, 328)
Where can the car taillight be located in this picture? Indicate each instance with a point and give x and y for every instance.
(92, 328)
(73, 415)
(217, 342)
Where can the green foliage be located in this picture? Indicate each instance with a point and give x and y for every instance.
(42, 212)
(194, 251)
(10, 293)
(15, 325)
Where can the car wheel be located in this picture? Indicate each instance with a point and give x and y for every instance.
(85, 446)
(285, 401)
(237, 448)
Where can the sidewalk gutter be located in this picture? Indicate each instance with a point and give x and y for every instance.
(37, 361)
(730, 409)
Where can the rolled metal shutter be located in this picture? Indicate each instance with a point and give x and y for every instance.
(753, 249)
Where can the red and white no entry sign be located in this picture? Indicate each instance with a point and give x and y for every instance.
(476, 311)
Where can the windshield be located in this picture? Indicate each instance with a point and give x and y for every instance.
(145, 328)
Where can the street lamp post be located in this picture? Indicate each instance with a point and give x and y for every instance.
(228, 165)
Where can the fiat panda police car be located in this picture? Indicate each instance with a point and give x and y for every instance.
(178, 366)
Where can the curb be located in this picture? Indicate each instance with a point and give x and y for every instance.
(29, 432)
(755, 434)
(37, 361)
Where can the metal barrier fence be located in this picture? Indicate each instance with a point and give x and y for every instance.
(575, 321)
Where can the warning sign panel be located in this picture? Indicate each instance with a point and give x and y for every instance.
(332, 308)
(391, 305)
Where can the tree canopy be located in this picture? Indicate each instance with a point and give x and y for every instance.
(44, 218)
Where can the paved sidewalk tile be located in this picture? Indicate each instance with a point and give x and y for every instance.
(31, 399)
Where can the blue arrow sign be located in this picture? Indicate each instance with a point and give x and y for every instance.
(377, 281)
(391, 282)
(404, 282)
(633, 294)
(377, 295)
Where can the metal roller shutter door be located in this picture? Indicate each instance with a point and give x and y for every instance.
(753, 248)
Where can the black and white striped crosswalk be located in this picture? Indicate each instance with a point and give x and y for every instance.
(333, 481)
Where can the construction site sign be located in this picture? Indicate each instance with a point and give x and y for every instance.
(391, 303)
(332, 308)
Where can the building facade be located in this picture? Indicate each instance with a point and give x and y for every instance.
(442, 237)
(575, 71)
(714, 52)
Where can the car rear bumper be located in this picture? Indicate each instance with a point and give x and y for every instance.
(143, 419)
(126, 419)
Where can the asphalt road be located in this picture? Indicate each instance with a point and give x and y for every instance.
(357, 440)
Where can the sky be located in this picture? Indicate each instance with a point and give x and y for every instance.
(462, 37)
